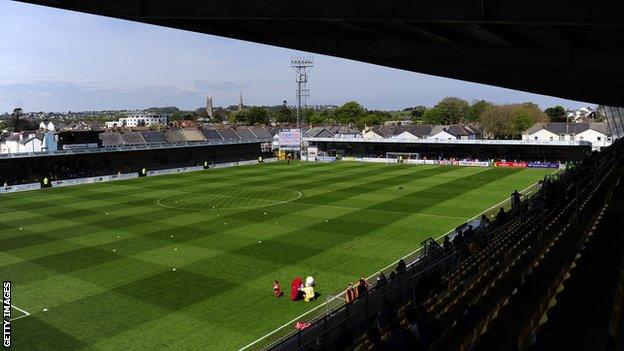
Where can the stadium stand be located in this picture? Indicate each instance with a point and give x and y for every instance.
(229, 134)
(491, 291)
(152, 137)
(211, 134)
(174, 136)
(193, 136)
(589, 301)
(132, 138)
(111, 139)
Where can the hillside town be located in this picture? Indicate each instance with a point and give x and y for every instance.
(24, 132)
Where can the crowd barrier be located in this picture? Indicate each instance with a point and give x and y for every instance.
(90, 180)
(174, 170)
(19, 187)
(528, 165)
(419, 161)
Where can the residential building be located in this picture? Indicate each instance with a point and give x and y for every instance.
(597, 133)
(139, 119)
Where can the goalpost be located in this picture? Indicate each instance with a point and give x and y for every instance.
(401, 156)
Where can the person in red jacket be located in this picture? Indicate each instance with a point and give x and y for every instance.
(277, 290)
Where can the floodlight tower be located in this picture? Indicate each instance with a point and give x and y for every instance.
(301, 65)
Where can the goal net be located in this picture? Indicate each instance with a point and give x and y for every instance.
(399, 157)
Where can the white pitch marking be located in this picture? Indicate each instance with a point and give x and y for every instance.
(26, 313)
(369, 277)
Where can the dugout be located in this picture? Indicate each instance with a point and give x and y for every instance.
(460, 149)
(81, 163)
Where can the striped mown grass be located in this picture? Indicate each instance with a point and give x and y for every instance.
(100, 258)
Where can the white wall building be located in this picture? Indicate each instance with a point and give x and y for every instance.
(596, 133)
(22, 143)
(139, 120)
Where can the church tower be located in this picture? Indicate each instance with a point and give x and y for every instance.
(209, 107)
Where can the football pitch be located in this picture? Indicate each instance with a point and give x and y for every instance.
(187, 261)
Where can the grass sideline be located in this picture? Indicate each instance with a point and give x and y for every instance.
(100, 258)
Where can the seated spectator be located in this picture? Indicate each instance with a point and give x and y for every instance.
(381, 279)
(458, 240)
(401, 339)
(362, 288)
(374, 338)
(469, 233)
(386, 316)
(401, 267)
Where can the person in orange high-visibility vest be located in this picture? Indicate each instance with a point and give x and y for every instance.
(350, 293)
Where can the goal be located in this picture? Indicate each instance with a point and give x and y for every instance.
(401, 156)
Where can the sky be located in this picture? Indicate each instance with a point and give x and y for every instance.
(56, 60)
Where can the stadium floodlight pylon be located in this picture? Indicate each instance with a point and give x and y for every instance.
(402, 156)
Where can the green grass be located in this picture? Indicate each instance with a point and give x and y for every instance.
(100, 257)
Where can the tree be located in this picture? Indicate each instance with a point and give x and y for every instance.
(455, 109)
(509, 121)
(373, 118)
(283, 114)
(476, 109)
(449, 110)
(435, 115)
(350, 112)
(600, 114)
(250, 116)
(417, 113)
(18, 123)
(556, 114)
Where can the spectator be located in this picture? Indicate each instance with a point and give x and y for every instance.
(469, 233)
(350, 294)
(392, 276)
(362, 288)
(386, 316)
(484, 221)
(515, 198)
(381, 279)
(374, 338)
(501, 216)
(458, 240)
(446, 244)
(401, 267)
(401, 339)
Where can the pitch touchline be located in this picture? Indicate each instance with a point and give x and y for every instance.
(371, 276)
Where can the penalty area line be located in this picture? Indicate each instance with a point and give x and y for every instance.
(25, 313)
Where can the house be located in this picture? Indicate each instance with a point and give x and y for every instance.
(597, 133)
(407, 132)
(139, 119)
(46, 126)
(22, 143)
(453, 132)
